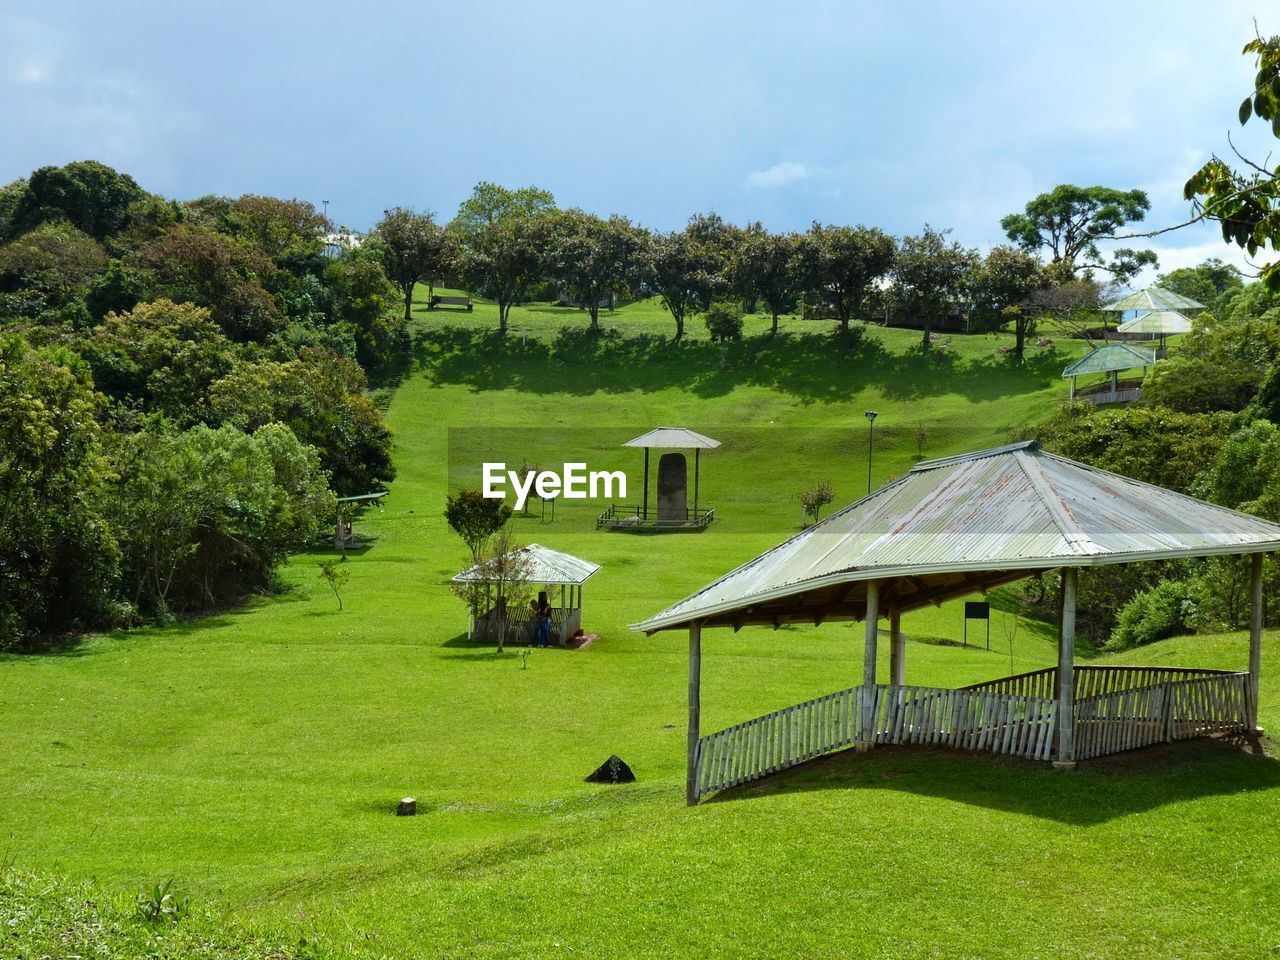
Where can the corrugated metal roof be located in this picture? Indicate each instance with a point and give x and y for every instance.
(1008, 511)
(1157, 321)
(1154, 298)
(1114, 356)
(673, 438)
(547, 566)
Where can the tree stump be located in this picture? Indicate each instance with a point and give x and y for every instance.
(407, 807)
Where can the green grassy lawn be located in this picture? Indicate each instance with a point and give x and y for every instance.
(256, 756)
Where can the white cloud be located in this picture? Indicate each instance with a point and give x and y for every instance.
(780, 174)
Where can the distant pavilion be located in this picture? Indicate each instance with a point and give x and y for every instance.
(1111, 358)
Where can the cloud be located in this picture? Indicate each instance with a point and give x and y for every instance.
(1174, 258)
(781, 174)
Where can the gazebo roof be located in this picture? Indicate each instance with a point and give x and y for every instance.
(673, 438)
(547, 566)
(960, 524)
(1157, 321)
(1114, 356)
(1154, 298)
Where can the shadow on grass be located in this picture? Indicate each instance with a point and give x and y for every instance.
(811, 367)
(1101, 790)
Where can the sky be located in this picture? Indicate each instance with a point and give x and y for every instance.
(889, 114)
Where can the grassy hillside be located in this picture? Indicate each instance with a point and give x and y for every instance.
(256, 756)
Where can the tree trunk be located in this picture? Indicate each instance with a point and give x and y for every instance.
(928, 329)
(408, 303)
(680, 327)
(504, 308)
(594, 310)
(1020, 338)
(773, 332)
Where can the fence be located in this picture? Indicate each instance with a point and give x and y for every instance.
(1116, 708)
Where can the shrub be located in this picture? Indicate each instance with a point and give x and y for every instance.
(1153, 614)
(814, 500)
(724, 321)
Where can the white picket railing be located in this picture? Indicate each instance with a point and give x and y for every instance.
(1116, 709)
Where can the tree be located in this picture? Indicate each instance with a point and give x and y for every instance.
(56, 260)
(361, 296)
(290, 232)
(931, 276)
(689, 267)
(1246, 203)
(321, 398)
(163, 356)
(840, 266)
(724, 321)
(1069, 221)
(58, 557)
(415, 249)
(1001, 288)
(200, 266)
(504, 573)
(592, 257)
(766, 269)
(1212, 282)
(210, 512)
(475, 518)
(89, 195)
(812, 501)
(490, 204)
(503, 259)
(334, 575)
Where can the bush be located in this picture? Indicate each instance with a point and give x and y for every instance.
(1191, 385)
(1154, 614)
(724, 321)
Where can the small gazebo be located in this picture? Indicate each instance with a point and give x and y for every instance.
(1111, 358)
(1161, 323)
(949, 528)
(546, 567)
(1153, 298)
(673, 511)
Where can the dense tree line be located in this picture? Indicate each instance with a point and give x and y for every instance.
(225, 330)
(182, 392)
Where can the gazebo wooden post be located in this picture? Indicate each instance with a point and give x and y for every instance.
(644, 509)
(697, 452)
(1072, 396)
(897, 650)
(867, 713)
(1255, 639)
(1066, 719)
(695, 710)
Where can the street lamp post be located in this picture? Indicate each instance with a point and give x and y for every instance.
(326, 208)
(871, 432)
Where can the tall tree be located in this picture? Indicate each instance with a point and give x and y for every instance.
(89, 195)
(766, 270)
(689, 268)
(1001, 288)
(490, 203)
(504, 235)
(592, 257)
(1247, 202)
(415, 249)
(1069, 221)
(841, 265)
(931, 276)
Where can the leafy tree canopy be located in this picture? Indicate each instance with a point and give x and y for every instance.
(89, 195)
(1069, 221)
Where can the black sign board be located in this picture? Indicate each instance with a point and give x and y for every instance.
(977, 610)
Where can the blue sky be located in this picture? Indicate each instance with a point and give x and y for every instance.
(893, 114)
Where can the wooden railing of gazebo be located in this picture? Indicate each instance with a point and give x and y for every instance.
(1116, 708)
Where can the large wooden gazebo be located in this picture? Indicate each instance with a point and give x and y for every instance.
(949, 528)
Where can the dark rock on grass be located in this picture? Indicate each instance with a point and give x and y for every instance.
(613, 770)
